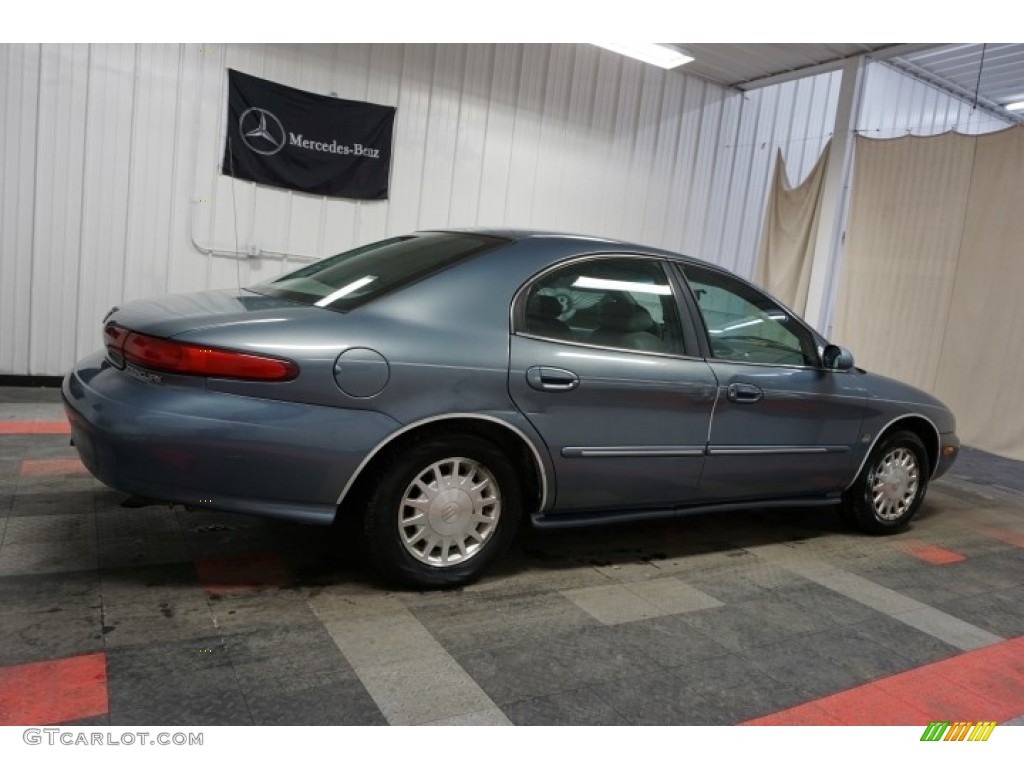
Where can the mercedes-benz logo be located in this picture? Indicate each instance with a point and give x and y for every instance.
(261, 131)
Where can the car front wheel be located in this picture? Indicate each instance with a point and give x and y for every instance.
(891, 486)
(442, 511)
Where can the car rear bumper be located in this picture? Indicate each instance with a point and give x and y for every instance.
(210, 449)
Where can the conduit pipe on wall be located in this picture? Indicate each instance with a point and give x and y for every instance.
(236, 254)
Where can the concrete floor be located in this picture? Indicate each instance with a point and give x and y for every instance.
(158, 616)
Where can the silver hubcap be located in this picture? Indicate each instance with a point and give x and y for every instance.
(893, 483)
(449, 512)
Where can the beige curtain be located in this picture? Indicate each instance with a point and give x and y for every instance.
(932, 284)
(790, 227)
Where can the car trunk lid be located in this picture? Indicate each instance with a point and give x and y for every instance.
(168, 316)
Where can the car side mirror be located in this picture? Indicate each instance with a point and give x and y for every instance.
(837, 358)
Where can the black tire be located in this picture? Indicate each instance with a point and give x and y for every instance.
(901, 498)
(400, 550)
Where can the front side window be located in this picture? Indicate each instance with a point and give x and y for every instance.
(623, 303)
(746, 326)
(359, 276)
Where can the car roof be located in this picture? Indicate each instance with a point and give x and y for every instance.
(584, 241)
(589, 241)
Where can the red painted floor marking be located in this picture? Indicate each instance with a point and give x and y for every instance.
(49, 692)
(230, 574)
(805, 714)
(986, 684)
(864, 705)
(1000, 534)
(35, 428)
(930, 553)
(936, 694)
(51, 467)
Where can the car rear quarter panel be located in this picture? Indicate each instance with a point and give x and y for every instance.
(445, 340)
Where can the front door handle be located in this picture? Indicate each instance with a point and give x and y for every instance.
(549, 379)
(744, 393)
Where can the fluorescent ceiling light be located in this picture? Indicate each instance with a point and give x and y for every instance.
(744, 324)
(600, 284)
(345, 290)
(1016, 106)
(659, 55)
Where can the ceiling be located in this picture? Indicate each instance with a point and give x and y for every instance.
(956, 67)
(953, 68)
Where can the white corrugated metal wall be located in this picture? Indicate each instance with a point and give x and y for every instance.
(895, 104)
(111, 163)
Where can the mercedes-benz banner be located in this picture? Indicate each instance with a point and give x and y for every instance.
(298, 140)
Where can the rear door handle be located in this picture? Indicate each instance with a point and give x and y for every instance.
(549, 379)
(744, 393)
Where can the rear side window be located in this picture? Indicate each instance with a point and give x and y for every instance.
(359, 276)
(618, 302)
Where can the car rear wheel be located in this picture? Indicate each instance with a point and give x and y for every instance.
(891, 486)
(442, 511)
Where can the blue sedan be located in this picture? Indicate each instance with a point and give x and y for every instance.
(440, 386)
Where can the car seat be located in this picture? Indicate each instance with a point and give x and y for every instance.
(626, 326)
(542, 313)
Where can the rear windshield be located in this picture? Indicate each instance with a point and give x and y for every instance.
(355, 277)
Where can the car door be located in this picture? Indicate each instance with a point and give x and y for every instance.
(612, 380)
(783, 425)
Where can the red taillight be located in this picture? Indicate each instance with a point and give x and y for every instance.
(194, 359)
(113, 339)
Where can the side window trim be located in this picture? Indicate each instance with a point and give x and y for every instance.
(693, 334)
(689, 303)
(688, 337)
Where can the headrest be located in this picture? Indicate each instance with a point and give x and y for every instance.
(626, 318)
(544, 306)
